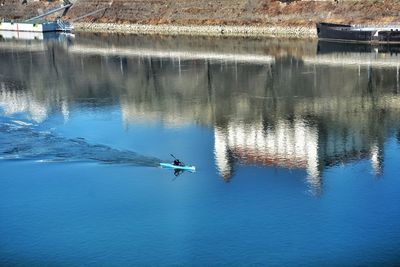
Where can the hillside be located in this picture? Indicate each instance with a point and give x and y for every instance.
(219, 12)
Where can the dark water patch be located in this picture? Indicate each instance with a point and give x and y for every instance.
(20, 140)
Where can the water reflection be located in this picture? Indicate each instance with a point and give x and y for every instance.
(303, 105)
(287, 144)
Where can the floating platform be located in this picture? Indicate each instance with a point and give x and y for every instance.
(47, 26)
(38, 24)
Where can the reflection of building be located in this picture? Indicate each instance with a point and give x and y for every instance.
(287, 144)
(294, 144)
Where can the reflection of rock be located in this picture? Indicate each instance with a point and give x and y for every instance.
(173, 54)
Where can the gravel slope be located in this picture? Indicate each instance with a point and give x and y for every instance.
(262, 15)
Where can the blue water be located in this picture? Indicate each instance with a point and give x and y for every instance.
(80, 183)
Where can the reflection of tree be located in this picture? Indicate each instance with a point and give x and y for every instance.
(288, 114)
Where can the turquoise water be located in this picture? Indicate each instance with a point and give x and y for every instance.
(297, 150)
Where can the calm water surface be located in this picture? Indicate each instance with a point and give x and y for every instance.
(296, 144)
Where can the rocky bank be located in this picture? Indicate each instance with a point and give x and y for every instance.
(289, 18)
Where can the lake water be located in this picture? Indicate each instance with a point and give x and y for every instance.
(296, 145)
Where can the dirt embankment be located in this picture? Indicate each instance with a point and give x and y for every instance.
(262, 13)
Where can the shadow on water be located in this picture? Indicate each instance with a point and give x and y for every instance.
(20, 140)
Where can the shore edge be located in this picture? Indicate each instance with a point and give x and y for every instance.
(199, 30)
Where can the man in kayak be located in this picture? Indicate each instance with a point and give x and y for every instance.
(177, 162)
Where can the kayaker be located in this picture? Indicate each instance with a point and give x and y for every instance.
(177, 162)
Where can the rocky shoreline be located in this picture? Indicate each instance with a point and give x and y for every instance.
(259, 18)
(200, 30)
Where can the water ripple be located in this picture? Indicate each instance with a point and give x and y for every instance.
(25, 141)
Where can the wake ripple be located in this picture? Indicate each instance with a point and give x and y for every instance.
(21, 140)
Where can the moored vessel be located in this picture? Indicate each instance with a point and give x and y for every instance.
(45, 26)
(358, 33)
(38, 24)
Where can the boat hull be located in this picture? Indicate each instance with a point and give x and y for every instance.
(342, 32)
(349, 33)
(172, 166)
(390, 36)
